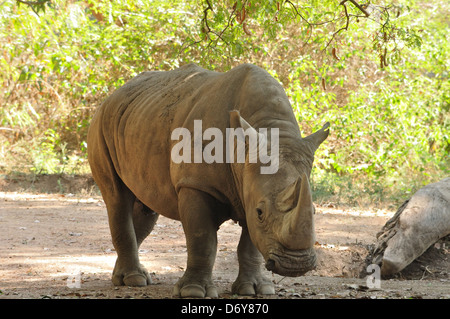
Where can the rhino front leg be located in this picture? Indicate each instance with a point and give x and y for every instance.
(197, 213)
(250, 280)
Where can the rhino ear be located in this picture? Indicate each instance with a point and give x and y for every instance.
(318, 137)
(245, 133)
(237, 121)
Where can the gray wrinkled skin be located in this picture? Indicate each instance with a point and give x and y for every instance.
(129, 146)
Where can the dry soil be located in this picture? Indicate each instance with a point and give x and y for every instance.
(55, 243)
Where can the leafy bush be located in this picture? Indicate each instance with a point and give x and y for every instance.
(390, 125)
(59, 65)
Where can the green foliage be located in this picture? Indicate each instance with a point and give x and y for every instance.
(37, 6)
(392, 129)
(381, 81)
(230, 29)
(57, 66)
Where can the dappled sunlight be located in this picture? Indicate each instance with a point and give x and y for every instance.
(355, 211)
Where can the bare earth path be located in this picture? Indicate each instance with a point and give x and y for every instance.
(58, 246)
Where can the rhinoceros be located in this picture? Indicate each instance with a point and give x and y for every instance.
(131, 144)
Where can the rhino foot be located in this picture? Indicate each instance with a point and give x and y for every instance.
(194, 290)
(135, 278)
(256, 286)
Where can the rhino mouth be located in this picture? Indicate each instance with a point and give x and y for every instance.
(292, 263)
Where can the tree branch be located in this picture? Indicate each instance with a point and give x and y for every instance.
(339, 16)
(356, 4)
(208, 29)
(297, 12)
(347, 22)
(347, 18)
(33, 3)
(205, 16)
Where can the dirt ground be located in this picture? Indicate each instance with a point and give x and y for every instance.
(55, 243)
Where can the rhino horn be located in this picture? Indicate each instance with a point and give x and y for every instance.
(297, 230)
(289, 196)
(318, 137)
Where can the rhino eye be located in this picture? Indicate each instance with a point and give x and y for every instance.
(260, 213)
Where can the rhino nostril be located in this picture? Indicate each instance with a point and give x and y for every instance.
(270, 264)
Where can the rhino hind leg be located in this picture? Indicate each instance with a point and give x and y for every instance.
(144, 219)
(120, 205)
(123, 212)
(250, 280)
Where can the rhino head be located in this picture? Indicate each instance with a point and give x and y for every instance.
(279, 210)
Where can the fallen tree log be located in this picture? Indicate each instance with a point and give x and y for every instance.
(418, 223)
